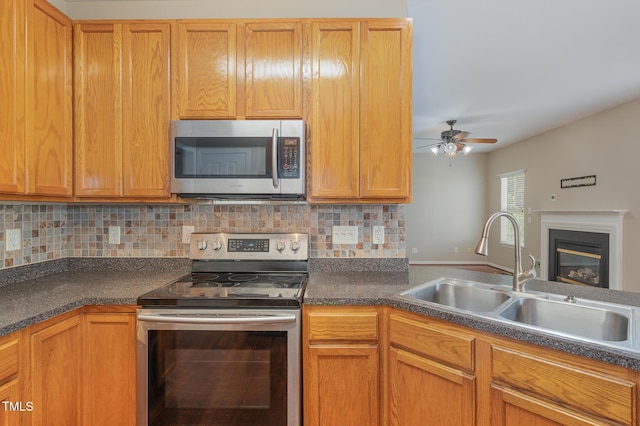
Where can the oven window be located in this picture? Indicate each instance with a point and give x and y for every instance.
(217, 377)
(217, 157)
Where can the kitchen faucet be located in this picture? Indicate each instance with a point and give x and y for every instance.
(520, 278)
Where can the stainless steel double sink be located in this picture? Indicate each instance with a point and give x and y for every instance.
(598, 322)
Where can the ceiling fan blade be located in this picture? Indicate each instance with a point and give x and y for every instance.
(479, 140)
(461, 135)
(459, 145)
(428, 139)
(428, 146)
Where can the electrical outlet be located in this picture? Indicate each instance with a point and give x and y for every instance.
(13, 240)
(345, 235)
(114, 235)
(378, 235)
(414, 250)
(187, 230)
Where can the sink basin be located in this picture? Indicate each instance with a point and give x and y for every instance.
(586, 321)
(460, 296)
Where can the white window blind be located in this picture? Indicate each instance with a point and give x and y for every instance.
(512, 201)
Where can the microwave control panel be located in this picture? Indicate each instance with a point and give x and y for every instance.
(289, 158)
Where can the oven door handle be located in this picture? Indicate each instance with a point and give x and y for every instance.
(231, 319)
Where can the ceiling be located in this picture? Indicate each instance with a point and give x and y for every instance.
(511, 69)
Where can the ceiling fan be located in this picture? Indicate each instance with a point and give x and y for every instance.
(453, 141)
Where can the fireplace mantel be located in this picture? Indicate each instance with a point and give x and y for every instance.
(603, 221)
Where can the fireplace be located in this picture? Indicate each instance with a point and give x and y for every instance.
(579, 257)
(606, 222)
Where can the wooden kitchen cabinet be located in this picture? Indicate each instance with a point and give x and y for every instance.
(442, 373)
(431, 373)
(239, 69)
(36, 103)
(122, 109)
(272, 69)
(341, 365)
(109, 367)
(360, 137)
(56, 374)
(15, 408)
(204, 69)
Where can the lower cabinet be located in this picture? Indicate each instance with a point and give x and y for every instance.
(383, 365)
(15, 410)
(109, 368)
(341, 366)
(56, 379)
(431, 374)
(74, 369)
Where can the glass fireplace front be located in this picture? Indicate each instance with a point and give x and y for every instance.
(579, 257)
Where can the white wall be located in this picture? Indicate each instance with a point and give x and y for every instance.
(182, 9)
(448, 208)
(606, 145)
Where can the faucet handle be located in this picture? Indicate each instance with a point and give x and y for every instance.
(532, 271)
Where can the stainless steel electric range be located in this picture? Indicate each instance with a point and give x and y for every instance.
(221, 345)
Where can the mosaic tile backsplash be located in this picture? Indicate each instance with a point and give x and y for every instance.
(54, 231)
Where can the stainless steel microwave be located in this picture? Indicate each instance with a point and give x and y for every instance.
(238, 158)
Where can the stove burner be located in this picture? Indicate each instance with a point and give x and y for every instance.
(285, 278)
(204, 276)
(242, 277)
(259, 284)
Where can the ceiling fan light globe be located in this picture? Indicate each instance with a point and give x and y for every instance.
(435, 150)
(449, 148)
(450, 154)
(467, 149)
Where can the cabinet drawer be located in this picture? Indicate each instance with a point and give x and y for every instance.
(433, 340)
(8, 360)
(334, 325)
(588, 391)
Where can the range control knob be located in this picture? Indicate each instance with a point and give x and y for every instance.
(280, 246)
(295, 245)
(217, 245)
(201, 244)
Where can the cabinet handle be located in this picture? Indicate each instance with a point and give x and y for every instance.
(274, 157)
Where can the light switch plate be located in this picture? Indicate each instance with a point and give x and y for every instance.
(114, 235)
(345, 235)
(13, 241)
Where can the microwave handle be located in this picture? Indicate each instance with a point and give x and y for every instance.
(274, 157)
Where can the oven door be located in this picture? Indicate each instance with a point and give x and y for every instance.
(218, 367)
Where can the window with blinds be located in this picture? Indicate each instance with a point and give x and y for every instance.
(512, 201)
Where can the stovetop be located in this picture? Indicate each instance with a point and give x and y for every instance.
(239, 270)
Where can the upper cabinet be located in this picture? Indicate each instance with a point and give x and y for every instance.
(36, 106)
(360, 122)
(227, 70)
(122, 109)
(204, 70)
(273, 69)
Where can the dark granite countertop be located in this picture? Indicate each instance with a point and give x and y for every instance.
(382, 288)
(96, 282)
(47, 290)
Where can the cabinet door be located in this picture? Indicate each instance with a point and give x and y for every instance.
(341, 386)
(55, 373)
(12, 101)
(205, 70)
(385, 102)
(146, 109)
(10, 394)
(335, 112)
(273, 69)
(426, 392)
(110, 371)
(98, 109)
(50, 126)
